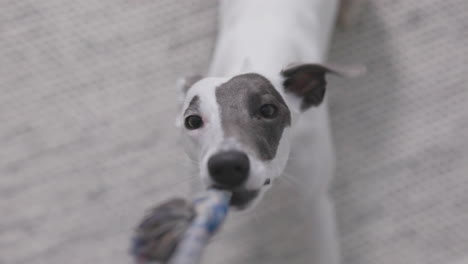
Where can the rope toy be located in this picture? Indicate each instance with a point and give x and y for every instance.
(177, 232)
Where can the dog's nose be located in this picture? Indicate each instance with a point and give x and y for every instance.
(229, 169)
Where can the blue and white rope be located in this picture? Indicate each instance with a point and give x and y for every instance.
(177, 232)
(211, 210)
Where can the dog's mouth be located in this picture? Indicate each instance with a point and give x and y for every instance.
(241, 198)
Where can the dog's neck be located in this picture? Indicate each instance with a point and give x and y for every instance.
(264, 36)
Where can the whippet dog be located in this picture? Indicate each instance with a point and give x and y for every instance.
(265, 98)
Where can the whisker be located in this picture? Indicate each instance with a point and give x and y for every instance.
(186, 165)
(196, 162)
(289, 157)
(187, 179)
(287, 180)
(291, 179)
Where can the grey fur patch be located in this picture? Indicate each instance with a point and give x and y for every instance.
(193, 107)
(240, 100)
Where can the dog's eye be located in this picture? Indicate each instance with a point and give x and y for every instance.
(193, 122)
(268, 111)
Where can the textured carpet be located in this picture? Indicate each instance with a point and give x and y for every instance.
(87, 141)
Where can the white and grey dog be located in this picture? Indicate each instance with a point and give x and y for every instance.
(256, 108)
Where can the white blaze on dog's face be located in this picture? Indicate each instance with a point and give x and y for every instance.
(237, 129)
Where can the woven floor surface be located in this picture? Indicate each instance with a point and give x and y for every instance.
(87, 136)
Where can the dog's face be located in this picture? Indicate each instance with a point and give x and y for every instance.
(237, 129)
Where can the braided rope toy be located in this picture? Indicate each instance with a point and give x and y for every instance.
(177, 232)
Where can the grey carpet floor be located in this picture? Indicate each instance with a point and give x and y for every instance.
(87, 140)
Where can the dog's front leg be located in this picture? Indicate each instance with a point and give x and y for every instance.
(311, 165)
(323, 241)
(318, 214)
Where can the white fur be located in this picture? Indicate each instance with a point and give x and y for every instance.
(271, 34)
(264, 36)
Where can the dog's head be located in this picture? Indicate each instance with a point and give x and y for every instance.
(237, 129)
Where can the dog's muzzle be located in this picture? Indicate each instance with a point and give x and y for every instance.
(229, 169)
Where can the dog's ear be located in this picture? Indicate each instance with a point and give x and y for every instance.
(307, 81)
(184, 84)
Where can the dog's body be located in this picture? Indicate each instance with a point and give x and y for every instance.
(253, 118)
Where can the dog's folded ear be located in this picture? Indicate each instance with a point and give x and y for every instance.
(307, 81)
(184, 84)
